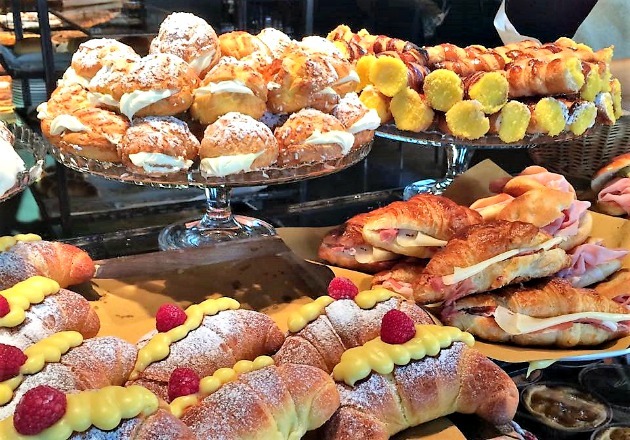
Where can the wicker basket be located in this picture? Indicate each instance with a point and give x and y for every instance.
(581, 158)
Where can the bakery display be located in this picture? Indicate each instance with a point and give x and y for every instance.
(12, 164)
(612, 185)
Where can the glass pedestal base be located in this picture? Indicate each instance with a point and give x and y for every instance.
(427, 186)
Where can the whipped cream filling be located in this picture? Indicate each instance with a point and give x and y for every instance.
(11, 164)
(42, 111)
(64, 123)
(159, 163)
(131, 103)
(370, 121)
(97, 98)
(225, 165)
(230, 86)
(70, 76)
(328, 91)
(353, 76)
(341, 138)
(203, 61)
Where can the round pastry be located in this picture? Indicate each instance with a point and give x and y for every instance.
(312, 136)
(66, 98)
(158, 85)
(236, 143)
(612, 185)
(190, 38)
(317, 44)
(277, 41)
(239, 44)
(231, 86)
(357, 118)
(94, 54)
(158, 146)
(106, 87)
(71, 77)
(89, 132)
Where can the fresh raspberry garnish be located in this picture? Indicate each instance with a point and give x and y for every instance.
(39, 408)
(11, 359)
(397, 327)
(342, 288)
(183, 381)
(4, 307)
(169, 316)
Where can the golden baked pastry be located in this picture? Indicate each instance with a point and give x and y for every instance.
(317, 44)
(312, 136)
(66, 98)
(106, 87)
(190, 38)
(239, 44)
(158, 85)
(231, 86)
(357, 118)
(236, 143)
(94, 54)
(158, 145)
(276, 40)
(89, 132)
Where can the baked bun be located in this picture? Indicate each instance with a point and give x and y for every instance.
(312, 136)
(490, 207)
(107, 87)
(90, 132)
(190, 38)
(236, 143)
(94, 54)
(277, 41)
(357, 118)
(231, 86)
(239, 44)
(612, 186)
(65, 99)
(317, 44)
(158, 146)
(158, 85)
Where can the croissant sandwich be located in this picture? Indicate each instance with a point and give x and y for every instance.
(37, 308)
(207, 336)
(66, 361)
(114, 412)
(414, 374)
(488, 256)
(591, 263)
(342, 324)
(419, 226)
(612, 185)
(255, 399)
(551, 312)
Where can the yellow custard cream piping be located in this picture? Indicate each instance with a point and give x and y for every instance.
(311, 311)
(104, 409)
(375, 355)
(8, 241)
(210, 384)
(25, 293)
(158, 347)
(38, 355)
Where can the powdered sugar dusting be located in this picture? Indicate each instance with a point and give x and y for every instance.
(166, 71)
(163, 134)
(350, 109)
(234, 127)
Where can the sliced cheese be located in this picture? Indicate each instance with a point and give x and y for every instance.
(462, 273)
(372, 254)
(411, 238)
(518, 324)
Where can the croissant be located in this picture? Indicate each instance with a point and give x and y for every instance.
(472, 57)
(342, 325)
(551, 298)
(64, 263)
(532, 77)
(399, 278)
(279, 402)
(219, 340)
(383, 43)
(59, 310)
(505, 50)
(93, 364)
(457, 379)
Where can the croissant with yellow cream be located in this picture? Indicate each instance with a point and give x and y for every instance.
(531, 77)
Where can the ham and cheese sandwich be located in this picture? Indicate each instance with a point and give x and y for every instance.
(530, 178)
(612, 185)
(551, 313)
(419, 226)
(591, 263)
(484, 257)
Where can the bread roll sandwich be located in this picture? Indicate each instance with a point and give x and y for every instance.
(612, 185)
(551, 312)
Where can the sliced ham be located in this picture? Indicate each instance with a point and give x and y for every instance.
(588, 256)
(618, 192)
(541, 175)
(569, 223)
(403, 288)
(624, 300)
(388, 235)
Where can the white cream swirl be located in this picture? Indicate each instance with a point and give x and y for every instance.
(159, 163)
(97, 98)
(229, 86)
(131, 103)
(225, 165)
(342, 138)
(64, 123)
(369, 121)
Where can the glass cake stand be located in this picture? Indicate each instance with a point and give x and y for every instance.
(218, 223)
(32, 149)
(459, 152)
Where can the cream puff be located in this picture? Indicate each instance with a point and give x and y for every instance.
(239, 44)
(357, 118)
(277, 41)
(317, 44)
(65, 99)
(312, 136)
(189, 37)
(158, 146)
(231, 86)
(236, 143)
(89, 132)
(107, 87)
(158, 85)
(94, 54)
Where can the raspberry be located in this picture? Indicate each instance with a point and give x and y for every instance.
(11, 359)
(342, 288)
(168, 317)
(183, 381)
(4, 307)
(39, 408)
(397, 327)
